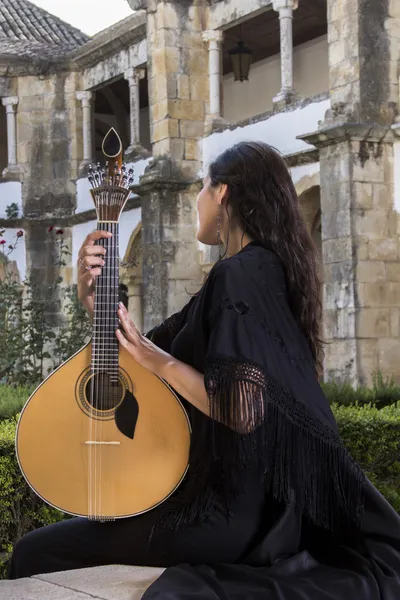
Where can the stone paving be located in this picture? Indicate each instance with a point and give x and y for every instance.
(113, 582)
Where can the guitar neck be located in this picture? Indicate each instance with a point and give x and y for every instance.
(105, 320)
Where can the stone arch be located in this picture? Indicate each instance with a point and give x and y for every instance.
(131, 275)
(307, 183)
(310, 202)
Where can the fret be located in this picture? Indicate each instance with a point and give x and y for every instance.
(108, 362)
(105, 346)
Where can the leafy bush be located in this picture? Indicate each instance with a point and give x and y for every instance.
(12, 399)
(21, 510)
(373, 439)
(33, 343)
(384, 392)
(371, 435)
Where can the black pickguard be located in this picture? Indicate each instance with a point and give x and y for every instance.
(126, 415)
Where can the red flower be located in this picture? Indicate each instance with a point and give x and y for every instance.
(3, 242)
(50, 228)
(60, 231)
(20, 233)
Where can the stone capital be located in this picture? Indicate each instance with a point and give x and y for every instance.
(137, 4)
(213, 35)
(285, 5)
(134, 75)
(85, 97)
(10, 102)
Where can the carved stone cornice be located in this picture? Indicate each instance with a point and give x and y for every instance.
(110, 41)
(70, 220)
(16, 66)
(340, 132)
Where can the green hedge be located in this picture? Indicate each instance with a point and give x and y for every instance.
(371, 435)
(384, 392)
(20, 509)
(12, 399)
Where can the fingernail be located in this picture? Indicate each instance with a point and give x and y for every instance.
(122, 306)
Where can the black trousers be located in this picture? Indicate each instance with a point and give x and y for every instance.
(79, 543)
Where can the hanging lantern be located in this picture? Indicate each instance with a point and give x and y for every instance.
(241, 58)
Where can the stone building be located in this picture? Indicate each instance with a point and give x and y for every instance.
(323, 88)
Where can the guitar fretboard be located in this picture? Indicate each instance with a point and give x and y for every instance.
(105, 320)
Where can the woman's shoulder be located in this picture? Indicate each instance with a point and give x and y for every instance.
(249, 261)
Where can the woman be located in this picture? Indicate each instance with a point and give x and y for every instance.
(273, 505)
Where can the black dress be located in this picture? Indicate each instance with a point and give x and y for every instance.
(273, 506)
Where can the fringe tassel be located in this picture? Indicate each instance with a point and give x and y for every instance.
(257, 424)
(297, 453)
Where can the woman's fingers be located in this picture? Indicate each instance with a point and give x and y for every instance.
(94, 236)
(90, 248)
(128, 325)
(90, 261)
(90, 275)
(91, 251)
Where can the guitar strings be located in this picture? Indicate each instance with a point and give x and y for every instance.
(105, 347)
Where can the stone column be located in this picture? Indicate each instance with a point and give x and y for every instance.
(360, 224)
(11, 103)
(178, 97)
(86, 99)
(133, 76)
(214, 39)
(285, 9)
(135, 304)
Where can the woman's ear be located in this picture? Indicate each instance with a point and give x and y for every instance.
(222, 194)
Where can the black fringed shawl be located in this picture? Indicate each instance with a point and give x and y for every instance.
(266, 405)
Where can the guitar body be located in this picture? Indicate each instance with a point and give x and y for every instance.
(93, 447)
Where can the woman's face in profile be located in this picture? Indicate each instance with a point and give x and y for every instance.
(207, 209)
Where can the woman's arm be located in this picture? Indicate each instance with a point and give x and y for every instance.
(188, 382)
(185, 380)
(235, 402)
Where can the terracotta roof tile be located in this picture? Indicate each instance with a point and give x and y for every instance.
(25, 25)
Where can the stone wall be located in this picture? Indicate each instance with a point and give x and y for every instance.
(178, 88)
(48, 151)
(178, 82)
(360, 227)
(363, 58)
(361, 261)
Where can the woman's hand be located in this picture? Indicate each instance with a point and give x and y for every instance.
(139, 347)
(185, 380)
(89, 267)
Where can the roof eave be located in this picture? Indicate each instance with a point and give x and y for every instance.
(110, 41)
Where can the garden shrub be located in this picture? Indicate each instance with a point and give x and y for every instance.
(371, 435)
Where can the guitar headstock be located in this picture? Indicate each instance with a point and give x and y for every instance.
(111, 183)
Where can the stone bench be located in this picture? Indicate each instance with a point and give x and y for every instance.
(113, 582)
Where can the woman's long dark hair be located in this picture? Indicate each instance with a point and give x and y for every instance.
(264, 200)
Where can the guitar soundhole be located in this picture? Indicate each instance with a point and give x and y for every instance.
(102, 393)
